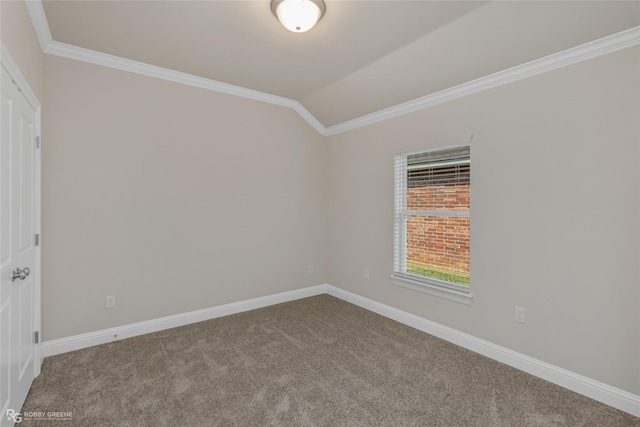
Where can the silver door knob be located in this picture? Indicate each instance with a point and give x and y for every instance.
(19, 273)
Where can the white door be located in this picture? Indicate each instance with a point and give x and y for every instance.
(18, 204)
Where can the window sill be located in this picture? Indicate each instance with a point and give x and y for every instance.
(438, 291)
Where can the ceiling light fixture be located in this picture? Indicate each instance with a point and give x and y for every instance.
(298, 15)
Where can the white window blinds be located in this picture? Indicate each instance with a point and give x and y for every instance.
(432, 212)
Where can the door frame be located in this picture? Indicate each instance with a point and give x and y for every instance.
(6, 61)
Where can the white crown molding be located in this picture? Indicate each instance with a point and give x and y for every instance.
(98, 58)
(612, 43)
(570, 56)
(48, 45)
(119, 63)
(310, 118)
(40, 24)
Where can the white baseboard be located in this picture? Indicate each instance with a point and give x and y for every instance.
(90, 339)
(596, 390)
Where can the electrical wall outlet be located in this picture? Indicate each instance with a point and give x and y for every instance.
(367, 275)
(110, 301)
(520, 314)
(310, 269)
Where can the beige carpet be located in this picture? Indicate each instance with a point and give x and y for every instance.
(314, 362)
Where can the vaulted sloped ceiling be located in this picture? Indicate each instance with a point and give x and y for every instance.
(362, 57)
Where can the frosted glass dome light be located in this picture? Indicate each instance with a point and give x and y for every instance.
(298, 15)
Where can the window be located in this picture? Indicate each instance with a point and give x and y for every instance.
(432, 221)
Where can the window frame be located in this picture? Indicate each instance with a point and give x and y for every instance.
(400, 277)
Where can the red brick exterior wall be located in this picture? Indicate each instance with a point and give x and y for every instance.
(441, 242)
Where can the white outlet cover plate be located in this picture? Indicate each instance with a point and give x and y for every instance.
(110, 301)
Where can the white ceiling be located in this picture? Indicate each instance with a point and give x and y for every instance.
(362, 57)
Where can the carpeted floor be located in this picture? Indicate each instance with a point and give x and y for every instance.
(313, 362)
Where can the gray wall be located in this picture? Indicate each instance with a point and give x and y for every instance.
(172, 198)
(554, 215)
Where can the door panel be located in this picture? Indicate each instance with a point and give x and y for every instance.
(25, 341)
(5, 362)
(25, 146)
(17, 228)
(6, 236)
(5, 181)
